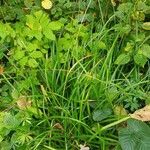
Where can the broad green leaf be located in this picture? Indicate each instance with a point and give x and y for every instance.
(36, 54)
(64, 44)
(101, 114)
(4, 145)
(55, 25)
(19, 54)
(135, 136)
(30, 21)
(140, 59)
(122, 59)
(3, 32)
(38, 35)
(49, 34)
(32, 63)
(10, 121)
(112, 93)
(146, 26)
(44, 21)
(31, 47)
(125, 7)
(39, 14)
(28, 3)
(146, 50)
(23, 61)
(101, 45)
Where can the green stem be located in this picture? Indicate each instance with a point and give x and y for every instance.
(114, 123)
(108, 126)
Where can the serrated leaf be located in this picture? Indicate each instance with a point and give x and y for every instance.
(19, 54)
(30, 21)
(36, 54)
(146, 50)
(49, 34)
(23, 61)
(10, 121)
(31, 47)
(135, 136)
(112, 93)
(122, 59)
(55, 25)
(101, 114)
(140, 59)
(32, 63)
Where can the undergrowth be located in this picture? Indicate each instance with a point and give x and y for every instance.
(71, 74)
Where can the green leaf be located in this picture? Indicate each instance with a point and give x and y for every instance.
(129, 47)
(1, 138)
(101, 45)
(135, 136)
(146, 26)
(146, 50)
(36, 54)
(101, 114)
(122, 59)
(30, 21)
(32, 63)
(28, 3)
(140, 59)
(112, 93)
(23, 61)
(10, 121)
(4, 145)
(49, 34)
(5, 30)
(125, 7)
(19, 54)
(55, 25)
(31, 46)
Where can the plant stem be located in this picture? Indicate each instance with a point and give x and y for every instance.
(108, 126)
(114, 123)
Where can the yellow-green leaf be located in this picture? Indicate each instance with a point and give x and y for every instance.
(146, 26)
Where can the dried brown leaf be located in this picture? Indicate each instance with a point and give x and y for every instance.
(58, 126)
(1, 69)
(23, 103)
(142, 114)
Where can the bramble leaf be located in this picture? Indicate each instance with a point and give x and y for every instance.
(122, 59)
(140, 59)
